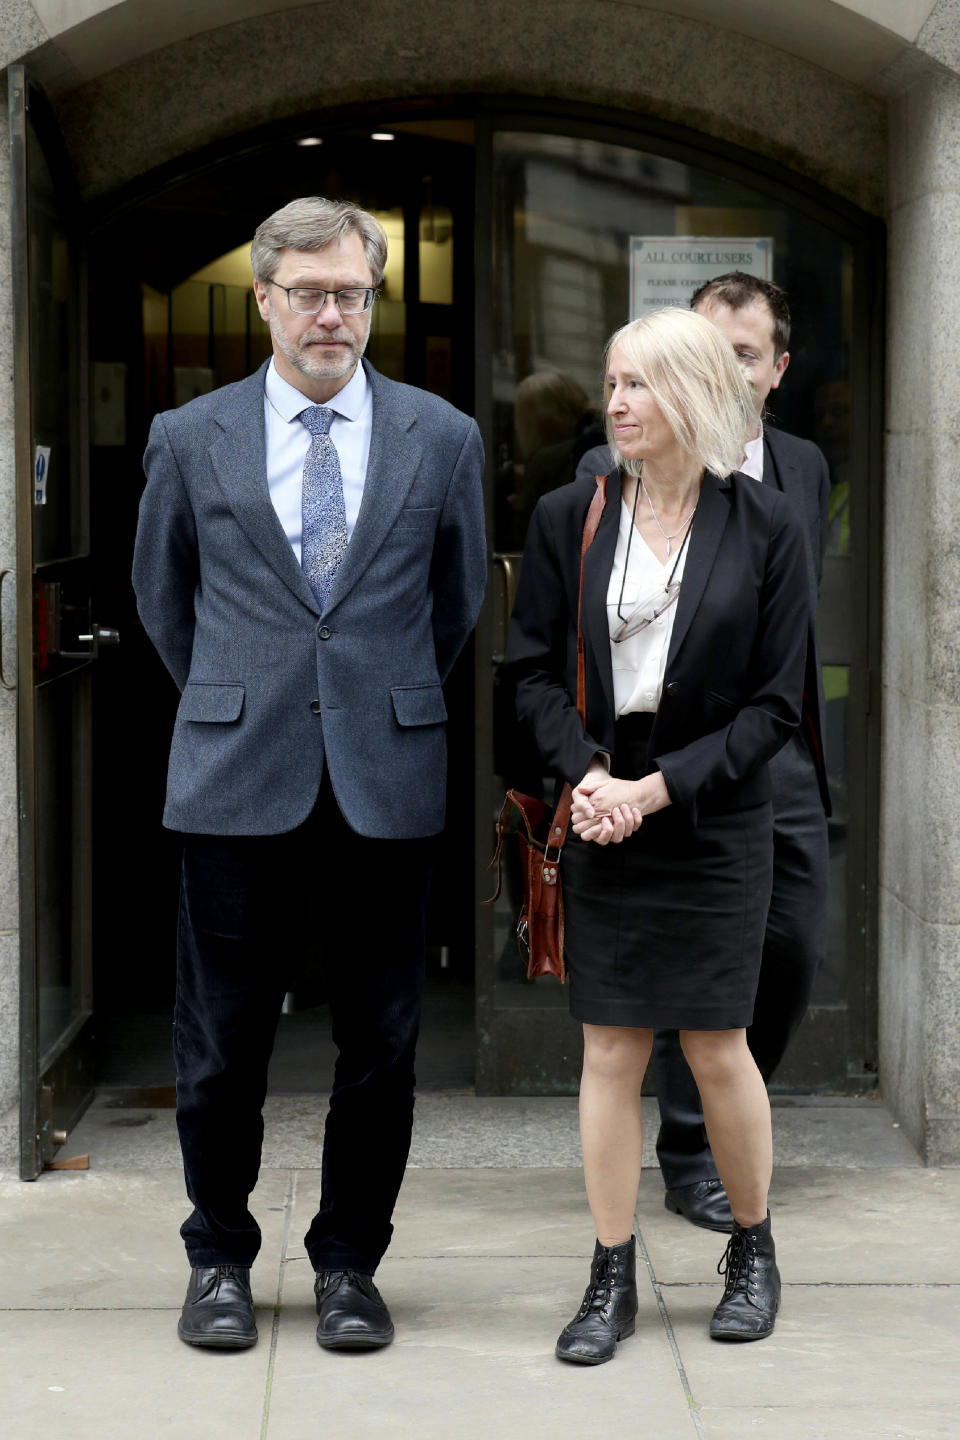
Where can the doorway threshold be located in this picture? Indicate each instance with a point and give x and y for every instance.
(457, 1129)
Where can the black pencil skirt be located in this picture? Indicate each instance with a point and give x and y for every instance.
(665, 930)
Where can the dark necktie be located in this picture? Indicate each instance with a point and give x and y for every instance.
(324, 537)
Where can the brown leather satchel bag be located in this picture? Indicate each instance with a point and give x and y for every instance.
(540, 925)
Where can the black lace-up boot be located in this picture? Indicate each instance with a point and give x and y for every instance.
(609, 1308)
(751, 1294)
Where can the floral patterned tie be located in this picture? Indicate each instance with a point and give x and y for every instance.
(324, 538)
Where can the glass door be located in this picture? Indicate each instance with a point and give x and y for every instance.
(58, 640)
(566, 211)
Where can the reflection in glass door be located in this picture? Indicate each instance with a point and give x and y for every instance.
(564, 208)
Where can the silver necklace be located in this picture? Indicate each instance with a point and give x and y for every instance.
(683, 523)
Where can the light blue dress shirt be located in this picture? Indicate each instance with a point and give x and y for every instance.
(288, 441)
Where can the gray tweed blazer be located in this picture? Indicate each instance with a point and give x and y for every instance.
(271, 690)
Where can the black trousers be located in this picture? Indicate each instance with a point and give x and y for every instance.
(793, 950)
(249, 907)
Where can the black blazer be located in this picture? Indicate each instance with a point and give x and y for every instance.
(733, 686)
(798, 468)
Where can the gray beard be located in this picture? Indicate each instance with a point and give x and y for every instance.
(315, 366)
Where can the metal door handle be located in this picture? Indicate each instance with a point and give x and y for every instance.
(97, 636)
(507, 565)
(3, 679)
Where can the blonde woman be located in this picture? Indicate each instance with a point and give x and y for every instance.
(694, 623)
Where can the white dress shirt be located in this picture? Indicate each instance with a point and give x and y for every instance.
(753, 457)
(288, 441)
(639, 662)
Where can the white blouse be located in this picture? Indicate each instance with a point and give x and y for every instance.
(639, 662)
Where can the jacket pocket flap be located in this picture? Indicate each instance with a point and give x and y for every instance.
(211, 702)
(418, 704)
(721, 700)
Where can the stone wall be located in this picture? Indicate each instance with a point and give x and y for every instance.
(215, 85)
(920, 775)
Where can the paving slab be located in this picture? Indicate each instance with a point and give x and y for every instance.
(838, 1422)
(117, 1375)
(473, 1358)
(487, 1264)
(831, 1226)
(461, 1213)
(846, 1345)
(111, 1240)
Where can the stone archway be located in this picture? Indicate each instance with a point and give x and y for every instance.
(135, 92)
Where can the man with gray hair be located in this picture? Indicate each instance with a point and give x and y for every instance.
(310, 560)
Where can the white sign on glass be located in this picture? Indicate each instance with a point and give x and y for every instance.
(667, 269)
(41, 473)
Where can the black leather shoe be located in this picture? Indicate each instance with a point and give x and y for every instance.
(218, 1310)
(751, 1295)
(704, 1203)
(609, 1309)
(352, 1313)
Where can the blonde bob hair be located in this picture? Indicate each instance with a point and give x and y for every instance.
(691, 370)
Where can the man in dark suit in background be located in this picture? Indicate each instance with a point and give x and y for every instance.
(754, 316)
(310, 560)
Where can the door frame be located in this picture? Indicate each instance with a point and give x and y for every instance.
(490, 113)
(56, 1085)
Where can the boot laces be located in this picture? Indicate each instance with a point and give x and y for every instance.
(331, 1280)
(738, 1264)
(602, 1281)
(221, 1273)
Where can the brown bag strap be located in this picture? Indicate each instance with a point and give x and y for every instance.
(589, 533)
(561, 816)
(561, 819)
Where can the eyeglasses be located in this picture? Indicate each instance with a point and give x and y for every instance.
(644, 613)
(310, 302)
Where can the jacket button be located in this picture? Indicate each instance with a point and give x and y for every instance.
(673, 688)
(315, 706)
(324, 632)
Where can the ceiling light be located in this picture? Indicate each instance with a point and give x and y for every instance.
(310, 140)
(382, 135)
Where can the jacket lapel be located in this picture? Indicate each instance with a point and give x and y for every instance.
(395, 454)
(239, 459)
(713, 509)
(597, 565)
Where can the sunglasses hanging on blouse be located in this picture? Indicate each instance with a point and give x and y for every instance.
(653, 606)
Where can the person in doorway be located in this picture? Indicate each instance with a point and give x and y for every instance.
(694, 618)
(555, 423)
(310, 559)
(754, 316)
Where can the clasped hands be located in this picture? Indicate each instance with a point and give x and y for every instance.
(606, 810)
